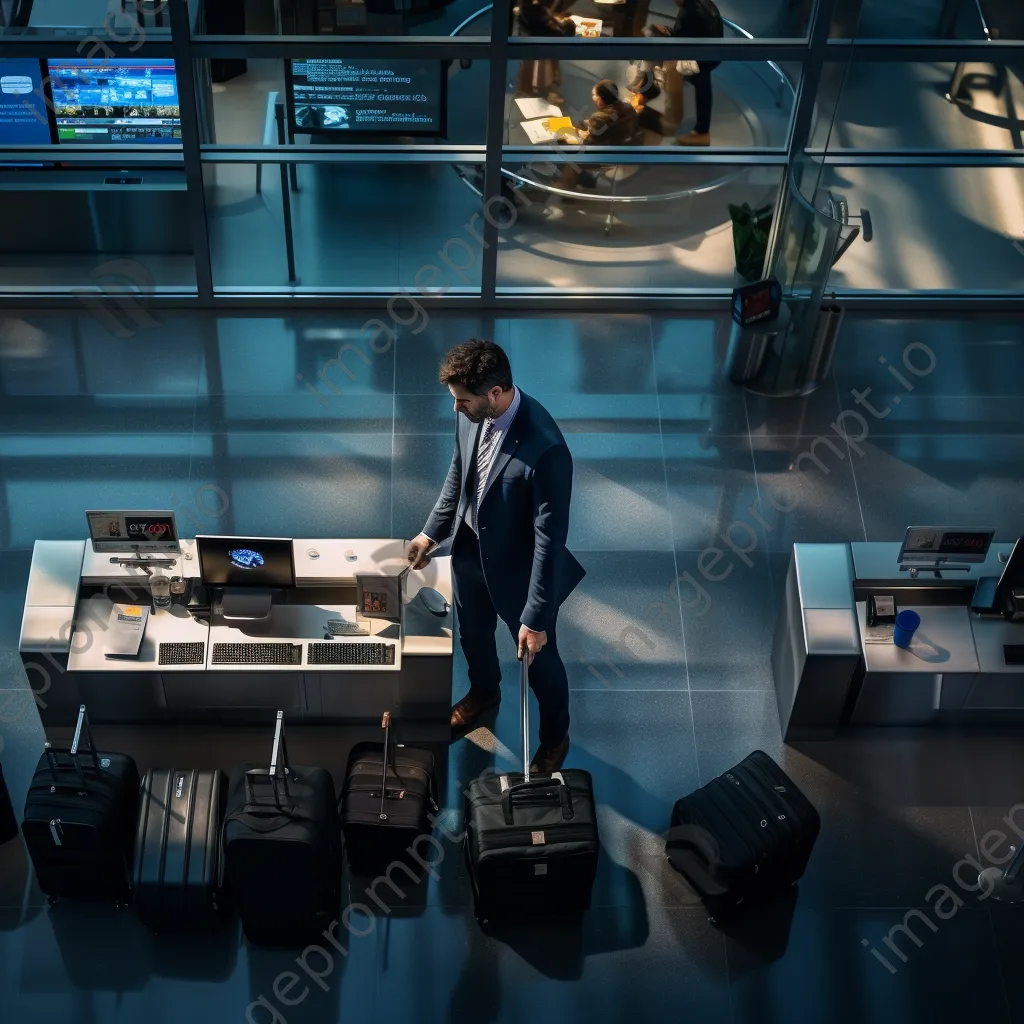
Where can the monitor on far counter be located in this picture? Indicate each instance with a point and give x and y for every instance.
(264, 562)
(24, 110)
(123, 100)
(380, 97)
(117, 531)
(928, 545)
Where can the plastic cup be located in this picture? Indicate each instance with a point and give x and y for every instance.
(160, 588)
(906, 623)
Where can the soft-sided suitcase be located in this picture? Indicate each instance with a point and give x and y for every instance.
(747, 834)
(8, 822)
(282, 849)
(176, 877)
(387, 798)
(79, 820)
(531, 840)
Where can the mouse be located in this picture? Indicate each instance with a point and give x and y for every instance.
(351, 556)
(433, 601)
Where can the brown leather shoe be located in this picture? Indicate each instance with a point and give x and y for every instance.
(548, 760)
(471, 707)
(694, 138)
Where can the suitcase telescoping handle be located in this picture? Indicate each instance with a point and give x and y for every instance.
(552, 785)
(279, 766)
(385, 724)
(53, 760)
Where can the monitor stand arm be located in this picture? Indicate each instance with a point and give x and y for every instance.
(937, 569)
(144, 562)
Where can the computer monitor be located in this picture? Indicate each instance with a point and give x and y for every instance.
(132, 531)
(24, 111)
(938, 546)
(1012, 576)
(118, 101)
(382, 97)
(264, 562)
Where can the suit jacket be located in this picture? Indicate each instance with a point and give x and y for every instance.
(523, 516)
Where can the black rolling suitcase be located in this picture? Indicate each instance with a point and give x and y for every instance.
(176, 877)
(531, 841)
(282, 849)
(79, 820)
(8, 822)
(746, 835)
(387, 799)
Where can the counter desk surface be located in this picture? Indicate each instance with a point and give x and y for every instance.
(402, 665)
(828, 675)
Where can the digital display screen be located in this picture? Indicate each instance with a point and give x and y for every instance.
(929, 543)
(118, 102)
(246, 561)
(399, 97)
(754, 302)
(379, 597)
(130, 531)
(24, 117)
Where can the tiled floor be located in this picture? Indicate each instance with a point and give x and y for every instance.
(669, 687)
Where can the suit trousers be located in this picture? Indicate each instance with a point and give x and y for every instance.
(478, 620)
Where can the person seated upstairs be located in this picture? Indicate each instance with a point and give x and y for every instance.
(613, 123)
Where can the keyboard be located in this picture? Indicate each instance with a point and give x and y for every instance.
(351, 654)
(182, 654)
(257, 654)
(1013, 654)
(342, 627)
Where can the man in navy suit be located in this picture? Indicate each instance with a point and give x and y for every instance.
(505, 505)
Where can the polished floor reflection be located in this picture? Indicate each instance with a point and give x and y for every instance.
(294, 425)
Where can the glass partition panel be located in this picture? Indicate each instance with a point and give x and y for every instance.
(920, 105)
(737, 104)
(341, 17)
(938, 19)
(99, 21)
(329, 101)
(934, 228)
(625, 228)
(365, 227)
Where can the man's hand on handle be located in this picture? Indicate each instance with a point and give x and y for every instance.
(530, 643)
(418, 551)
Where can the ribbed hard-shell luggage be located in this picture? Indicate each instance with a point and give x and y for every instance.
(176, 877)
(387, 800)
(79, 820)
(745, 835)
(531, 840)
(282, 849)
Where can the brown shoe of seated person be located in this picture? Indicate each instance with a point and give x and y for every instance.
(471, 707)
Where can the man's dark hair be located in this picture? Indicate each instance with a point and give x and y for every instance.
(478, 366)
(608, 91)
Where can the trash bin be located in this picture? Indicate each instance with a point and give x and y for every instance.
(749, 346)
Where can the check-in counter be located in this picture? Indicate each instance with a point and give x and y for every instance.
(72, 590)
(829, 676)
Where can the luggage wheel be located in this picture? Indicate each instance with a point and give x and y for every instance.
(51, 901)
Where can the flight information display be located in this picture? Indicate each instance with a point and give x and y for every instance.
(399, 97)
(124, 101)
(24, 120)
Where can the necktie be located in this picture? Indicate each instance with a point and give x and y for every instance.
(484, 455)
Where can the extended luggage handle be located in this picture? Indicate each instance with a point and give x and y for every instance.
(279, 770)
(53, 759)
(553, 784)
(385, 724)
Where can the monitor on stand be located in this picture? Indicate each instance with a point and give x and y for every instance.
(937, 549)
(247, 570)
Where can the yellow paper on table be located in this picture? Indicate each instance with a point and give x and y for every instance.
(555, 125)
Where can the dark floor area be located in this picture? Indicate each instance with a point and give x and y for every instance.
(667, 459)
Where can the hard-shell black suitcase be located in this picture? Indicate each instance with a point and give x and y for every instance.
(388, 799)
(176, 877)
(8, 822)
(282, 849)
(531, 840)
(747, 834)
(79, 820)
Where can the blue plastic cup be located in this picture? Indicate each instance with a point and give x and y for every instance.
(906, 623)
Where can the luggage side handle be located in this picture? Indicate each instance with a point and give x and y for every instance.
(552, 785)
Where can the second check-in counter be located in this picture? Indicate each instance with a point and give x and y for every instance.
(829, 676)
